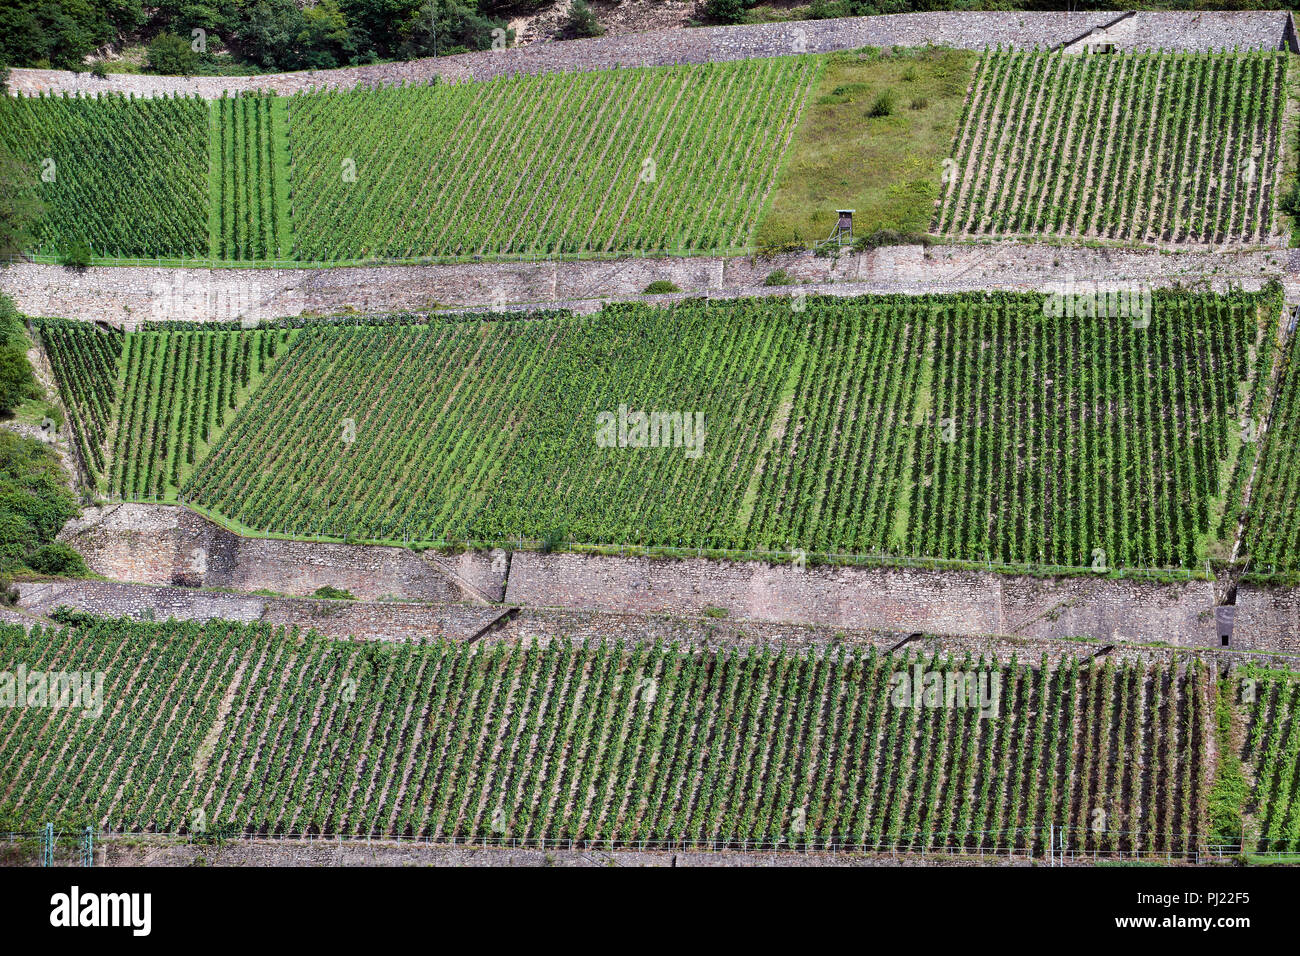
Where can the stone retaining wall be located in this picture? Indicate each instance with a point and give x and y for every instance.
(863, 599)
(971, 30)
(544, 624)
(372, 620)
(158, 544)
(395, 621)
(1268, 618)
(130, 297)
(167, 545)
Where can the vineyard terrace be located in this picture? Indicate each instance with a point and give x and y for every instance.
(655, 430)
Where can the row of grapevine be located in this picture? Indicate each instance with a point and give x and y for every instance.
(1271, 535)
(1049, 429)
(1172, 147)
(180, 388)
(125, 176)
(973, 427)
(86, 357)
(471, 428)
(250, 202)
(274, 732)
(652, 159)
(1272, 750)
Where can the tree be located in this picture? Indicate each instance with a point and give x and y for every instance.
(58, 33)
(442, 27)
(17, 380)
(582, 21)
(268, 33)
(34, 501)
(725, 11)
(20, 207)
(17, 383)
(170, 55)
(379, 24)
(326, 39)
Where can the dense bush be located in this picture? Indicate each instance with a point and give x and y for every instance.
(17, 382)
(268, 34)
(34, 504)
(170, 55)
(56, 558)
(582, 21)
(337, 594)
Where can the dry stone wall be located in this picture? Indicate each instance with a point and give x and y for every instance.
(367, 620)
(398, 621)
(155, 544)
(1268, 618)
(541, 625)
(862, 599)
(167, 545)
(971, 30)
(131, 297)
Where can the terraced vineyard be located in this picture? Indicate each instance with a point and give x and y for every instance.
(1271, 538)
(666, 158)
(97, 164)
(234, 725)
(1170, 147)
(146, 411)
(969, 427)
(653, 159)
(248, 172)
(1272, 751)
(87, 358)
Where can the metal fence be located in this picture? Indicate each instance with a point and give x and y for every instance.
(1052, 845)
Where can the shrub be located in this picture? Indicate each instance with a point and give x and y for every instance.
(582, 21)
(338, 594)
(71, 617)
(76, 255)
(170, 55)
(661, 286)
(34, 499)
(17, 383)
(778, 277)
(725, 11)
(1290, 201)
(882, 105)
(909, 75)
(57, 558)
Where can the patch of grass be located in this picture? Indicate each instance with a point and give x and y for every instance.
(1229, 792)
(778, 277)
(887, 168)
(661, 287)
(1285, 859)
(338, 594)
(882, 105)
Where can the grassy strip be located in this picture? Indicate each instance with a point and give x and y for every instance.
(886, 167)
